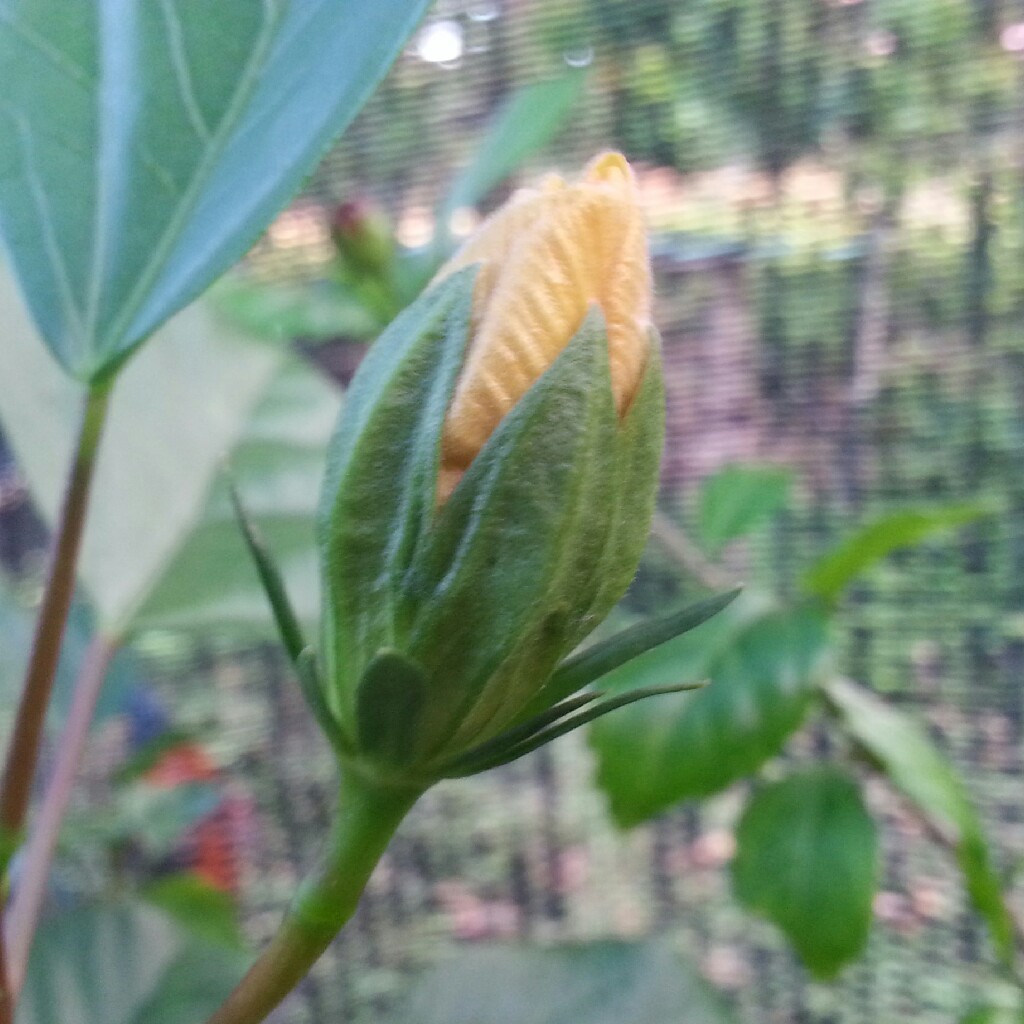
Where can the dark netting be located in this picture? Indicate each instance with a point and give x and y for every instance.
(841, 290)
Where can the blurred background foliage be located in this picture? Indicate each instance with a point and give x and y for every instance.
(836, 194)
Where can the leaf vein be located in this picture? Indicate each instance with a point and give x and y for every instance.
(182, 71)
(246, 82)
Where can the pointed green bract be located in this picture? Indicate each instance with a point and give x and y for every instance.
(604, 657)
(557, 722)
(311, 683)
(272, 582)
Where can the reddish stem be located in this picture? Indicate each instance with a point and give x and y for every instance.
(27, 903)
(23, 752)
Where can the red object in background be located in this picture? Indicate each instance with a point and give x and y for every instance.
(211, 845)
(187, 762)
(214, 844)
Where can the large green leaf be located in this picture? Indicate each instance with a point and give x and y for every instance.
(124, 964)
(586, 983)
(161, 547)
(736, 499)
(762, 668)
(529, 118)
(276, 464)
(902, 749)
(807, 859)
(828, 577)
(143, 147)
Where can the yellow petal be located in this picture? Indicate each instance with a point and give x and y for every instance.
(547, 256)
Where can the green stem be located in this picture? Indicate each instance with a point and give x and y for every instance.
(366, 819)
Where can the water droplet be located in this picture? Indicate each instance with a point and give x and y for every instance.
(483, 10)
(579, 57)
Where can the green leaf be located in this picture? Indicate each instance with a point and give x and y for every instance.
(276, 462)
(161, 547)
(197, 907)
(807, 859)
(902, 749)
(736, 499)
(284, 312)
(124, 964)
(608, 982)
(762, 667)
(527, 121)
(143, 148)
(828, 577)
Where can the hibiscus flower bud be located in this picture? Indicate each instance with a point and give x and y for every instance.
(363, 236)
(491, 483)
(547, 257)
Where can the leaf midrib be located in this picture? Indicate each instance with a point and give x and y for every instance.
(218, 142)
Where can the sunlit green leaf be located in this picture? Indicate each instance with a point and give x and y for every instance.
(903, 750)
(161, 546)
(585, 983)
(736, 499)
(828, 577)
(807, 859)
(762, 667)
(529, 118)
(144, 147)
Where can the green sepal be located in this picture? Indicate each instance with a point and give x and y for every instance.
(312, 688)
(599, 659)
(488, 598)
(496, 756)
(390, 701)
(638, 446)
(379, 487)
(271, 580)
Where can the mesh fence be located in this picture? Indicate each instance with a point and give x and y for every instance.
(837, 194)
